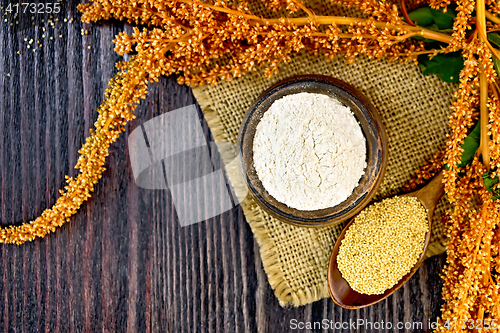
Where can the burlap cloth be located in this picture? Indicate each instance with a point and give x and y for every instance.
(414, 109)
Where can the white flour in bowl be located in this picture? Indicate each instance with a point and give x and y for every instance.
(309, 151)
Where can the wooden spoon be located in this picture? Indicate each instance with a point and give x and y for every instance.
(340, 291)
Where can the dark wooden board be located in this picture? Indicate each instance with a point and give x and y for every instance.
(123, 262)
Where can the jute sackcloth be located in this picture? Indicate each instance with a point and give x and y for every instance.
(414, 109)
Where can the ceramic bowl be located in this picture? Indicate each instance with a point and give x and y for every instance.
(376, 148)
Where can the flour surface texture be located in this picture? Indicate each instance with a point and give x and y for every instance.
(309, 151)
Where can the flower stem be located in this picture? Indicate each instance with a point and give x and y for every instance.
(484, 141)
(327, 20)
(491, 17)
(405, 13)
(304, 8)
(483, 87)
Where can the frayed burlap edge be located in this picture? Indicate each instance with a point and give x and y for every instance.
(259, 222)
(270, 258)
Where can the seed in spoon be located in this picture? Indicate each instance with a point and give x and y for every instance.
(383, 244)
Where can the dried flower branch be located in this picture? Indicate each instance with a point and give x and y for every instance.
(122, 96)
(207, 41)
(212, 31)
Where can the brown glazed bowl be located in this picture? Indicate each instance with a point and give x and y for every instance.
(371, 125)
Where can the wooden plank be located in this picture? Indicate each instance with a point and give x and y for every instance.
(123, 262)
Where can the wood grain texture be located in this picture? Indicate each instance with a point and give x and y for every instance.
(123, 263)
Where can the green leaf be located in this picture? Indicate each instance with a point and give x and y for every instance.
(443, 20)
(446, 66)
(427, 40)
(490, 182)
(435, 19)
(446, 31)
(422, 16)
(496, 64)
(470, 145)
(494, 38)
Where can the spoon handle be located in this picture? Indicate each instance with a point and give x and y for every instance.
(430, 194)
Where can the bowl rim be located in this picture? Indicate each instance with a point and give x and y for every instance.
(354, 95)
